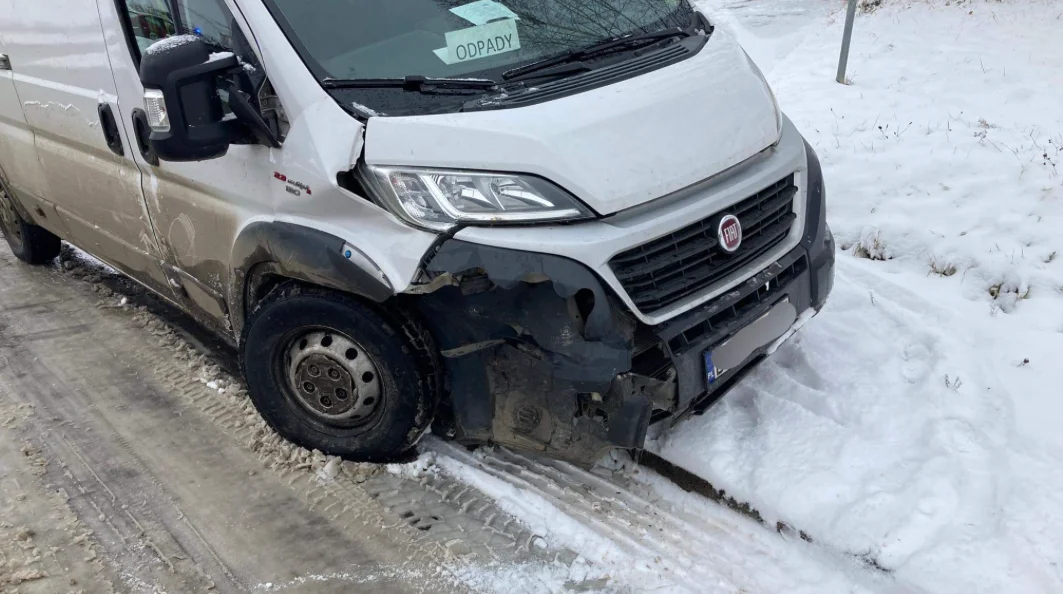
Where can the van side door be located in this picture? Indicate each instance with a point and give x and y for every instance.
(199, 207)
(63, 77)
(19, 167)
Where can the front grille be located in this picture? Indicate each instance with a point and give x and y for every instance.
(687, 261)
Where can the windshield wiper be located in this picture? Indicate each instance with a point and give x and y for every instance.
(600, 48)
(418, 84)
(563, 69)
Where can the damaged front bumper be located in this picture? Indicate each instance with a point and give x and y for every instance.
(541, 356)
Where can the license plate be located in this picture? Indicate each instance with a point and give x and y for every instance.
(759, 333)
(711, 373)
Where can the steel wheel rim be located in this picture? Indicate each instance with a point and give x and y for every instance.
(9, 220)
(332, 378)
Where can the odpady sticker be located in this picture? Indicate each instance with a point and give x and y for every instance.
(476, 43)
(482, 12)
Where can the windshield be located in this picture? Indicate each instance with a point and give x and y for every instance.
(373, 39)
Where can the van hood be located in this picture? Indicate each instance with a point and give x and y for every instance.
(613, 147)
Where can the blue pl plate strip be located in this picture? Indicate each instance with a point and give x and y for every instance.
(710, 368)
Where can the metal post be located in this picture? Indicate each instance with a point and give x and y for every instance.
(847, 38)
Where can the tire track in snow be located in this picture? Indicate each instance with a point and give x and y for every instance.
(654, 542)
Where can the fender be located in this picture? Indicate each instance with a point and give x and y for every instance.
(298, 253)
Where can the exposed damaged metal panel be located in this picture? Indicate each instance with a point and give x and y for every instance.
(537, 357)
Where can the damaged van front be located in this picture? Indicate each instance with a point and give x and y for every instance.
(572, 339)
(626, 220)
(545, 224)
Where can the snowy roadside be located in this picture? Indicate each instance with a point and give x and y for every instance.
(915, 419)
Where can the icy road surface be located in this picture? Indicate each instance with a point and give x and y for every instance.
(121, 471)
(132, 461)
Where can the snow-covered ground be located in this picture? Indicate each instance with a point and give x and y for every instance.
(913, 424)
(916, 419)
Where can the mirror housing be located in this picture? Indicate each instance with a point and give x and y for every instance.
(181, 94)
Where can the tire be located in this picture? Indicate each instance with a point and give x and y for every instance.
(29, 243)
(277, 355)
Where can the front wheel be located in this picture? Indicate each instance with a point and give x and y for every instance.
(331, 373)
(29, 243)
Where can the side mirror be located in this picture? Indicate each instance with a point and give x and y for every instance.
(184, 85)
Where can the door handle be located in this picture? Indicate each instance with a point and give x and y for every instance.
(143, 133)
(110, 129)
(5, 62)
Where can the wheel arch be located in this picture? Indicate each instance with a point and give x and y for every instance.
(267, 254)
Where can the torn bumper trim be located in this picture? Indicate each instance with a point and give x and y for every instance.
(532, 352)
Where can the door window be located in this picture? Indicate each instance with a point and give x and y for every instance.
(209, 19)
(152, 20)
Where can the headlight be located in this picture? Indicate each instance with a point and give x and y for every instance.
(440, 199)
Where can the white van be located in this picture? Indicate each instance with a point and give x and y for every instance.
(542, 223)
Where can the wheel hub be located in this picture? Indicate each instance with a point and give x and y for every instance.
(325, 385)
(332, 377)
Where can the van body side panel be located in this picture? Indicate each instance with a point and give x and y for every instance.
(325, 140)
(197, 207)
(205, 212)
(19, 165)
(62, 77)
